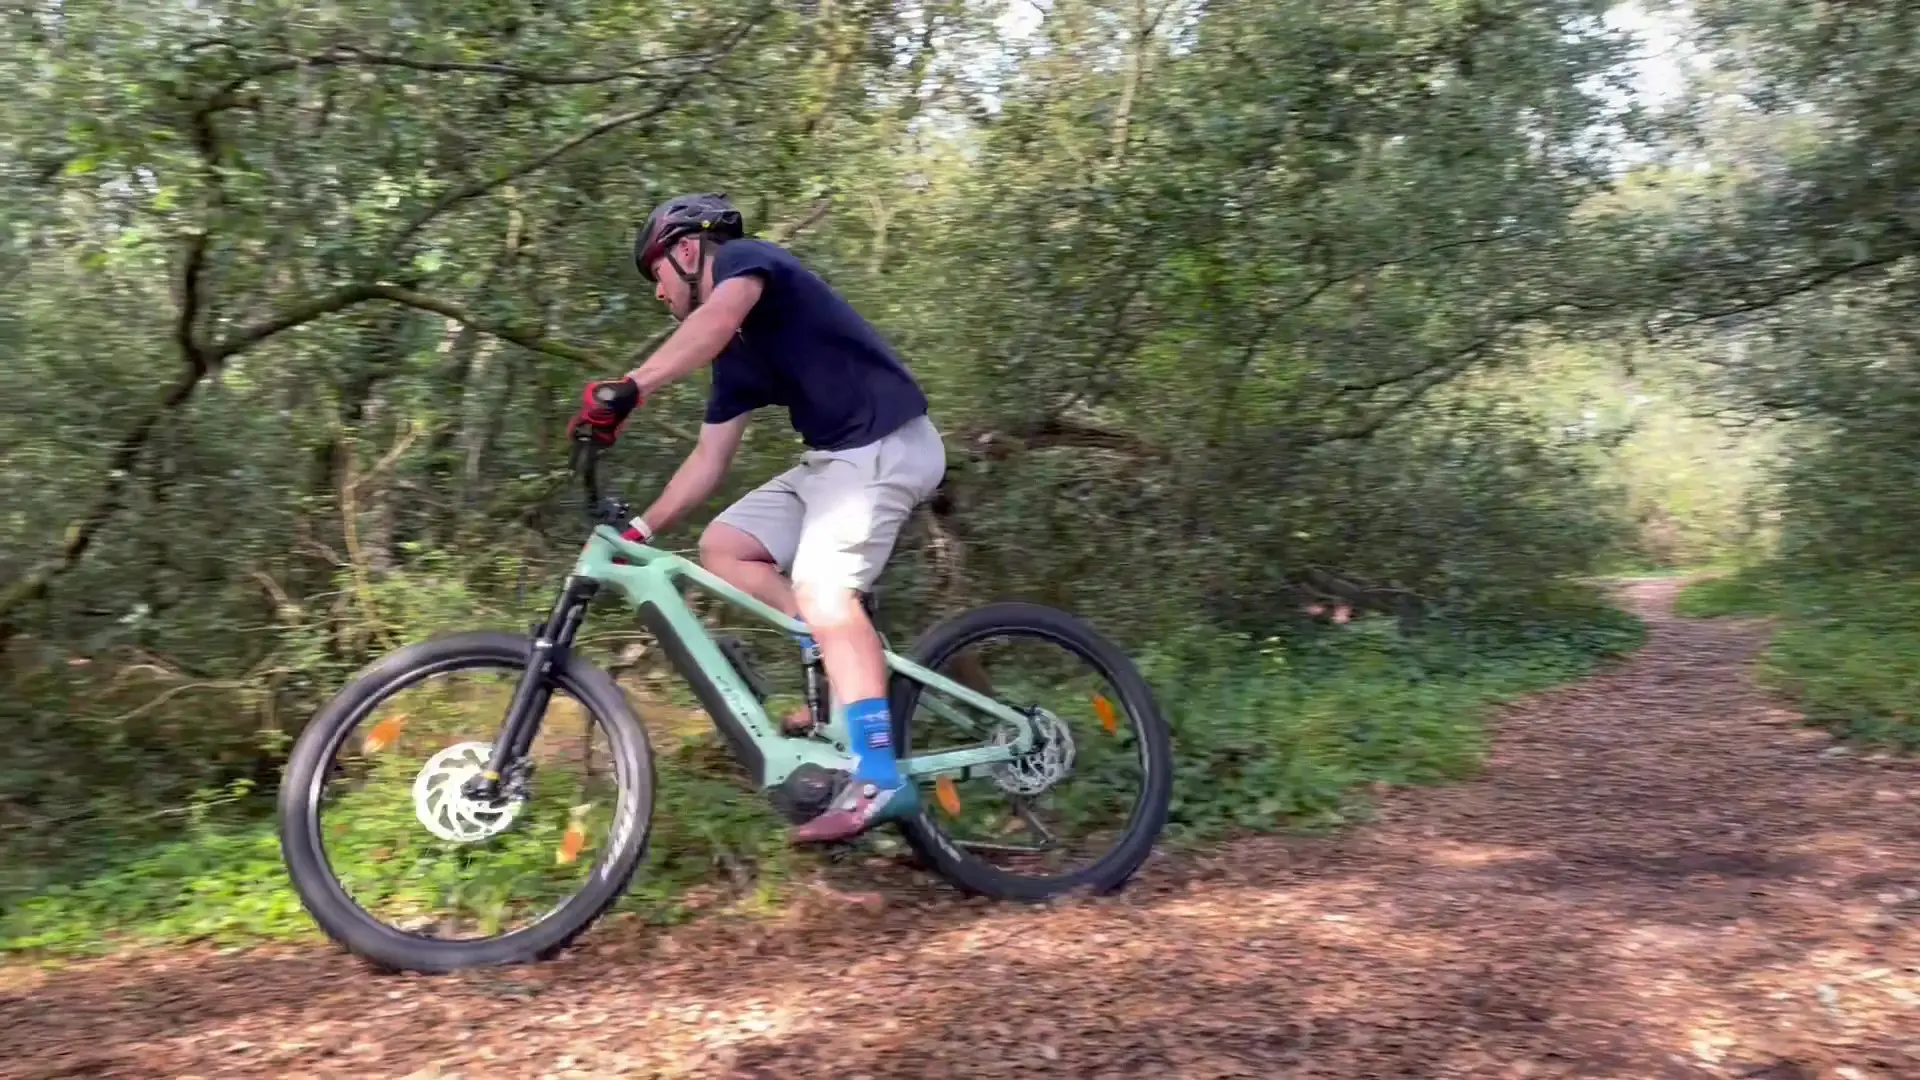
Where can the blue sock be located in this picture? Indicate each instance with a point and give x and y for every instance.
(871, 728)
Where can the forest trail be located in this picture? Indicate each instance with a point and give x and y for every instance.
(1659, 874)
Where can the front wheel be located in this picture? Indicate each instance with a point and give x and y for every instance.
(999, 831)
(398, 865)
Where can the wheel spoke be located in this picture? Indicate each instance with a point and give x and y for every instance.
(988, 847)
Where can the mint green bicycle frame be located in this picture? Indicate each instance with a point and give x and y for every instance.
(650, 582)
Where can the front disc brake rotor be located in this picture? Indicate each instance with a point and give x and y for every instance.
(448, 813)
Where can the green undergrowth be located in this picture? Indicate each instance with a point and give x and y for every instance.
(1267, 735)
(1846, 650)
(220, 877)
(1752, 591)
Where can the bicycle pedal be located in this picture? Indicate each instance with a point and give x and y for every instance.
(736, 653)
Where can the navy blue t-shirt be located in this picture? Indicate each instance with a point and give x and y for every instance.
(804, 347)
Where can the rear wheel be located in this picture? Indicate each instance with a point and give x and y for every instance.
(396, 864)
(998, 831)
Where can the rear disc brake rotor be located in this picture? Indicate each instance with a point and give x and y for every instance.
(1040, 768)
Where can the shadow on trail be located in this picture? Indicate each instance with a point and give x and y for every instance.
(1658, 874)
(1335, 974)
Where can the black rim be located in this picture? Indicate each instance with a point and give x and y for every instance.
(1137, 713)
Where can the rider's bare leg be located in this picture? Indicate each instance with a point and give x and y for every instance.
(740, 560)
(735, 557)
(849, 645)
(857, 669)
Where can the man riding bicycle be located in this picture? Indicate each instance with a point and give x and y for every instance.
(777, 334)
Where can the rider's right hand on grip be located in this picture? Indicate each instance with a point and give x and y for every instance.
(621, 396)
(604, 410)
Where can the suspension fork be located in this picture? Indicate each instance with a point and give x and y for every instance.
(551, 641)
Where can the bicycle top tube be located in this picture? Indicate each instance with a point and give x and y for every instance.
(605, 543)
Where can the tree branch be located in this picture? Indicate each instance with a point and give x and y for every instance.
(1053, 432)
(183, 333)
(668, 100)
(202, 357)
(782, 234)
(526, 339)
(478, 188)
(354, 295)
(1397, 260)
(206, 140)
(1370, 385)
(349, 55)
(353, 54)
(1407, 605)
(1814, 280)
(1424, 380)
(81, 532)
(1272, 318)
(588, 361)
(1145, 23)
(297, 315)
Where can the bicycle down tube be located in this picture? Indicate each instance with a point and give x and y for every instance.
(650, 582)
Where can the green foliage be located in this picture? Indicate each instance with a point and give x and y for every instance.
(1784, 259)
(1847, 648)
(220, 877)
(1268, 733)
(1748, 591)
(1848, 654)
(224, 884)
(1409, 201)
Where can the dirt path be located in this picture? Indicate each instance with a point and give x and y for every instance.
(1659, 875)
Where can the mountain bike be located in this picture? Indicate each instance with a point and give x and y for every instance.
(496, 794)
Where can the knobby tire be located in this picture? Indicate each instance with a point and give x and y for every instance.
(386, 948)
(973, 875)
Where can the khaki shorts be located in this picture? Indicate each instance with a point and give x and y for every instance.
(832, 519)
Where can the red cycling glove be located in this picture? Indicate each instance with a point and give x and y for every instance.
(605, 407)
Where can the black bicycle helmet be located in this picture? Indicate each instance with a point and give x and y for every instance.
(709, 214)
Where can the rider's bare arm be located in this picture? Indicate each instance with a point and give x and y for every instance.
(701, 337)
(697, 476)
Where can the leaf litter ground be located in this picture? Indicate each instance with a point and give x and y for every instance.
(1659, 874)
